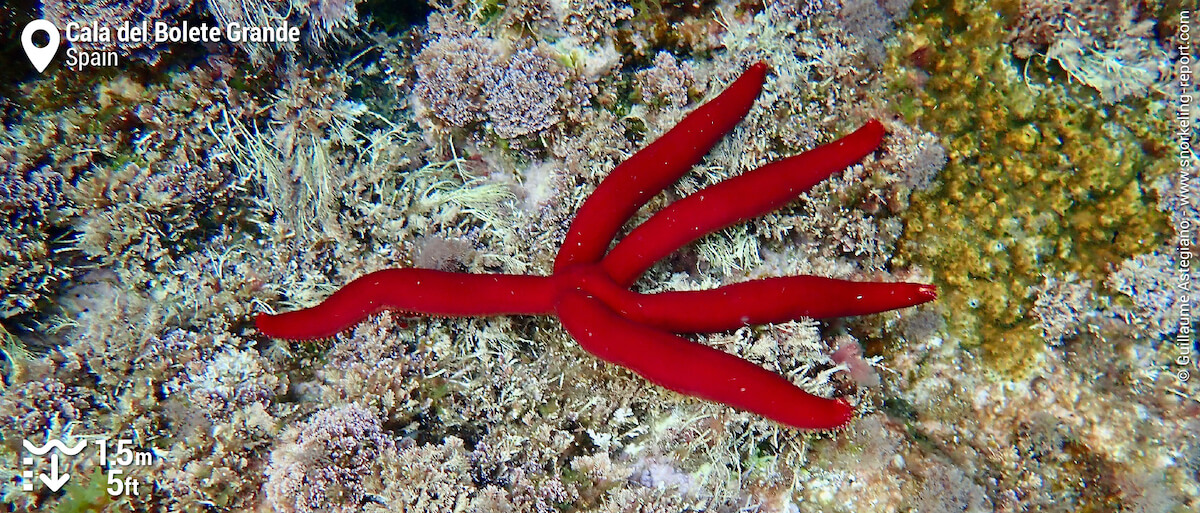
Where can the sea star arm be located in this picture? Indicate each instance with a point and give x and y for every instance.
(417, 291)
(760, 301)
(771, 300)
(647, 172)
(746, 196)
(694, 369)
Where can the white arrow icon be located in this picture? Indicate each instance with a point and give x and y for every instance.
(40, 57)
(54, 481)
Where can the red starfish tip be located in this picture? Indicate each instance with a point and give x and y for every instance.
(757, 71)
(926, 292)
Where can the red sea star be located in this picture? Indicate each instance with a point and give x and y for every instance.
(589, 289)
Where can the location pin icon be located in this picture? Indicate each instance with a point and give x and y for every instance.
(40, 57)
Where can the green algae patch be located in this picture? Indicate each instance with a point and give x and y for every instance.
(81, 497)
(1042, 178)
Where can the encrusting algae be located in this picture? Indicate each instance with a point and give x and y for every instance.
(1042, 180)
